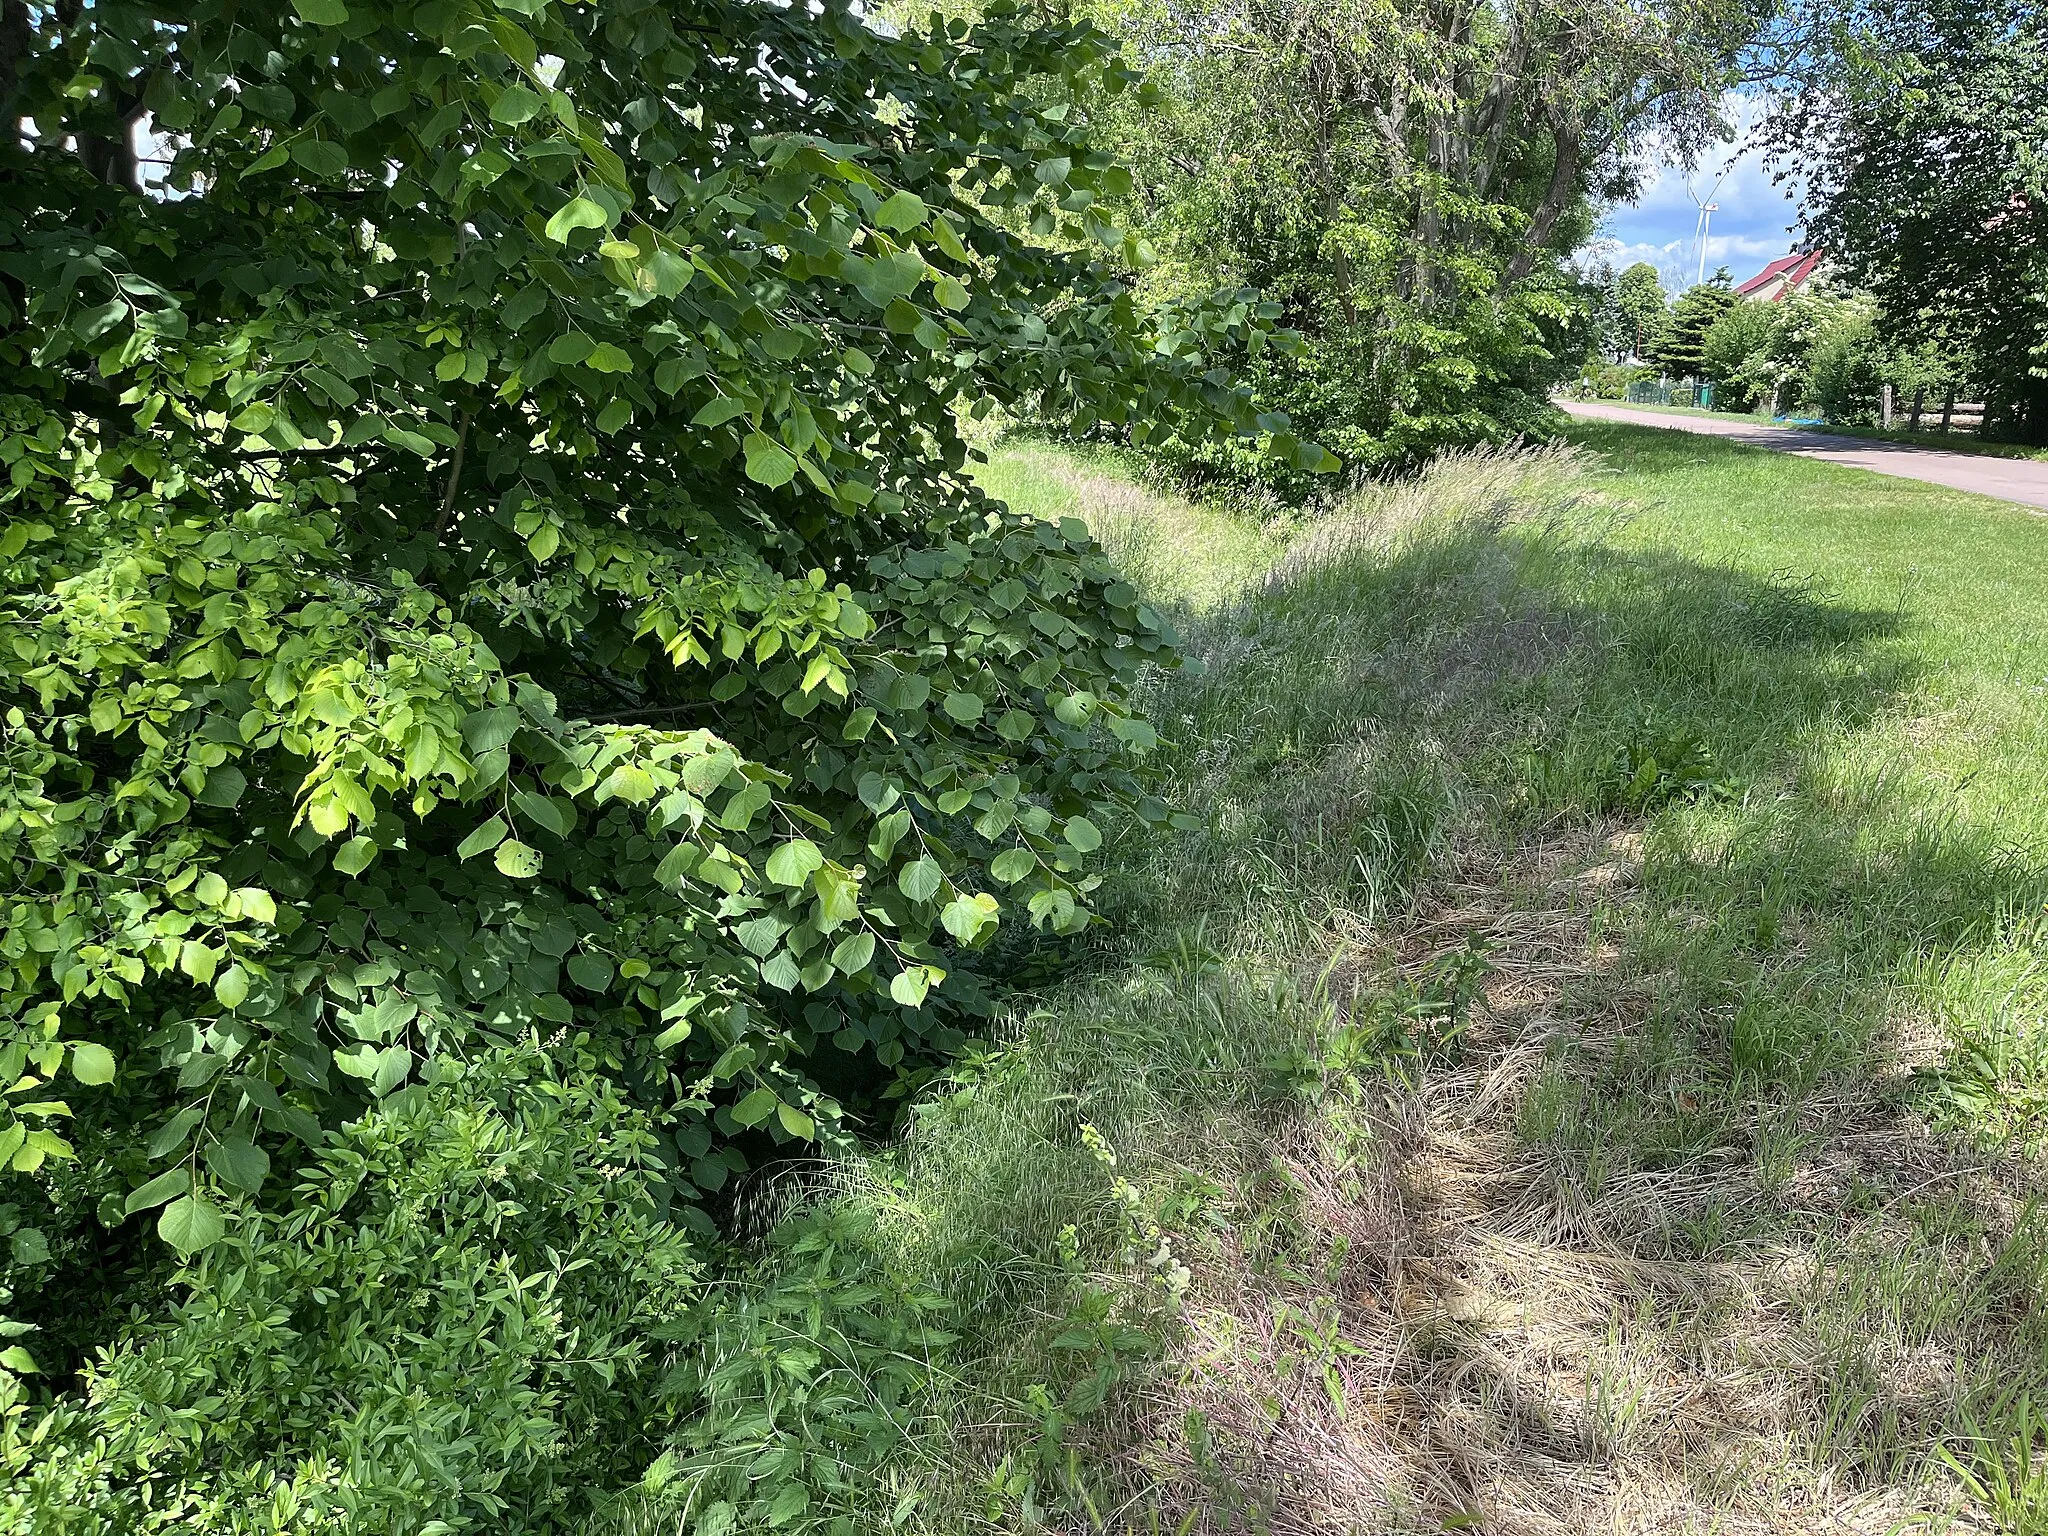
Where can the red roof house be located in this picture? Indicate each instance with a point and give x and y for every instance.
(1783, 276)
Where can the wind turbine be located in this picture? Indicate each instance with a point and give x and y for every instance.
(1707, 210)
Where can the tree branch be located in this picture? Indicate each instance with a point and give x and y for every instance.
(454, 476)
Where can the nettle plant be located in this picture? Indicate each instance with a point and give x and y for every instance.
(487, 556)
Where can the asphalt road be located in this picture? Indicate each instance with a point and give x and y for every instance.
(2021, 480)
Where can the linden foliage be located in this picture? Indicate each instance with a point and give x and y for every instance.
(487, 557)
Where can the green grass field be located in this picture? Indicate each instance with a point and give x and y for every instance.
(1581, 1069)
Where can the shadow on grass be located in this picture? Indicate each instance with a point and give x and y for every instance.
(1698, 1140)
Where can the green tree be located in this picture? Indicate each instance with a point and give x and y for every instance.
(1735, 346)
(1918, 129)
(1639, 294)
(488, 556)
(1409, 181)
(1681, 350)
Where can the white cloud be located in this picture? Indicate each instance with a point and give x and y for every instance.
(1752, 224)
(1678, 261)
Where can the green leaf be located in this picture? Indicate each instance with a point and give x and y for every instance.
(606, 358)
(853, 953)
(224, 786)
(515, 104)
(1013, 864)
(486, 837)
(1081, 834)
(902, 211)
(911, 987)
(22, 1363)
(790, 1500)
(756, 1107)
(920, 879)
(577, 213)
(191, 1223)
(675, 866)
(796, 1122)
(794, 862)
(964, 707)
(92, 1064)
(965, 917)
(355, 855)
(322, 13)
(394, 1062)
(320, 156)
(239, 1162)
(570, 348)
(488, 729)
(170, 1136)
(199, 961)
(768, 462)
(517, 860)
(543, 811)
(358, 1060)
(159, 1189)
(628, 782)
(591, 972)
(718, 410)
(702, 775)
(232, 987)
(838, 896)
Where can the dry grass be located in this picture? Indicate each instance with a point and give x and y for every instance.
(1468, 1335)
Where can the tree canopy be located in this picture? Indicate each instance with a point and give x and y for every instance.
(1918, 128)
(1681, 349)
(1639, 294)
(1408, 181)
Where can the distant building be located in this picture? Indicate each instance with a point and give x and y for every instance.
(1783, 276)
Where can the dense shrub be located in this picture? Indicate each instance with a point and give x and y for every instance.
(1408, 182)
(454, 1323)
(1845, 368)
(488, 559)
(1736, 349)
(1611, 381)
(1681, 348)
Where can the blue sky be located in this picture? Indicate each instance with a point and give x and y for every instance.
(1752, 227)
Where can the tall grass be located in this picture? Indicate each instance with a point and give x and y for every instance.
(1579, 1074)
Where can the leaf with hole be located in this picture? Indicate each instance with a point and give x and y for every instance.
(518, 860)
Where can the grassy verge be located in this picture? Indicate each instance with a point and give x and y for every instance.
(1582, 1073)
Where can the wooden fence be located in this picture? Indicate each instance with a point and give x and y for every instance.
(1948, 414)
